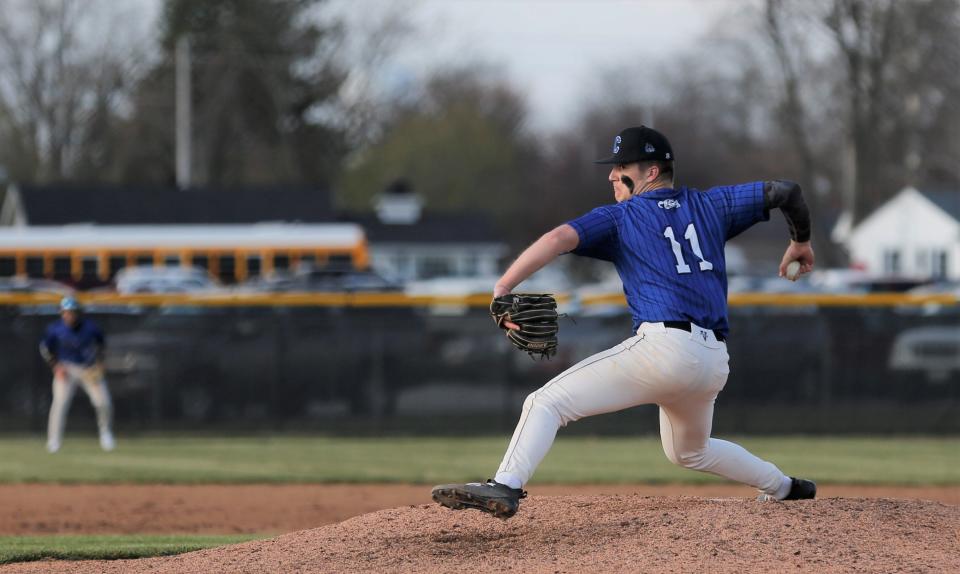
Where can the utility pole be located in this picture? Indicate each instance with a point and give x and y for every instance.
(183, 104)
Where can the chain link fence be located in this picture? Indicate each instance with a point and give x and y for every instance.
(439, 369)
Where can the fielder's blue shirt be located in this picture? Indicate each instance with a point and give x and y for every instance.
(76, 345)
(667, 246)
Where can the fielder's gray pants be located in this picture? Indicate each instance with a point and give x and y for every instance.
(91, 378)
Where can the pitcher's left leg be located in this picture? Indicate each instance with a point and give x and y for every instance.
(685, 432)
(686, 421)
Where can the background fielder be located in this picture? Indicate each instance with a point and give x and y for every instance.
(667, 245)
(73, 347)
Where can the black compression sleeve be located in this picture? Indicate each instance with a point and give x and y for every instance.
(786, 196)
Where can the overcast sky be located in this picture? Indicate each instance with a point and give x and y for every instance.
(550, 49)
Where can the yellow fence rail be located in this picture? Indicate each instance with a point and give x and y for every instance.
(477, 300)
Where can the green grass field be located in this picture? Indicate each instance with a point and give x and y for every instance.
(172, 459)
(166, 459)
(29, 548)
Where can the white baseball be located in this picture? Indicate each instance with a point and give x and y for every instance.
(793, 270)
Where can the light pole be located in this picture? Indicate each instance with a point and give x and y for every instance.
(183, 112)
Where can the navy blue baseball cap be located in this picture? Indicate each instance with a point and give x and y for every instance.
(639, 144)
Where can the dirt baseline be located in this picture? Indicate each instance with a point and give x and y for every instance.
(616, 533)
(37, 509)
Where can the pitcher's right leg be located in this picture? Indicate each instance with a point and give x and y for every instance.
(606, 382)
(609, 381)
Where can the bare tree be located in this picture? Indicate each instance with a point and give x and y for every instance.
(52, 84)
(366, 102)
(895, 78)
(461, 143)
(866, 35)
(264, 89)
(795, 118)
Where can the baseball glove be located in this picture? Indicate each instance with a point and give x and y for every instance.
(536, 315)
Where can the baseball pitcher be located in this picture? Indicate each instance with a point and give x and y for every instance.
(666, 243)
(73, 347)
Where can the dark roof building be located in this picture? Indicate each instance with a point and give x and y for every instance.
(112, 205)
(410, 243)
(405, 241)
(947, 200)
(430, 227)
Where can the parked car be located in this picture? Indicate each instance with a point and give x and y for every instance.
(938, 288)
(860, 281)
(769, 284)
(322, 279)
(933, 351)
(32, 285)
(150, 279)
(548, 280)
(932, 308)
(334, 279)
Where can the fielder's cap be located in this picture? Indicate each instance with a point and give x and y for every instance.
(639, 144)
(69, 304)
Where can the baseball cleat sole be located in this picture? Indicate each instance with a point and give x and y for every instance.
(455, 499)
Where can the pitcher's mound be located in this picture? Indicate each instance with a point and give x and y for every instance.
(601, 534)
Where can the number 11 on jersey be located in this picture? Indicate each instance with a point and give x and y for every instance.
(690, 235)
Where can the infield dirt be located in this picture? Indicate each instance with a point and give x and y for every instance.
(39, 509)
(613, 533)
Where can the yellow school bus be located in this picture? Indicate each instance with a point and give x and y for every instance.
(86, 255)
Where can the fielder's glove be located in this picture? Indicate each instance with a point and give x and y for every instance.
(536, 315)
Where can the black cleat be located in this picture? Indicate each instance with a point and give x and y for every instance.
(801, 489)
(491, 497)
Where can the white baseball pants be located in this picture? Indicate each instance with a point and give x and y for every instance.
(91, 378)
(679, 371)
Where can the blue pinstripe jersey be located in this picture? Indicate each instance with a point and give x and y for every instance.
(77, 345)
(667, 246)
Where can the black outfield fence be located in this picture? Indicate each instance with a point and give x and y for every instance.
(394, 365)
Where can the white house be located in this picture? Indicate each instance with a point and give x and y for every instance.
(915, 234)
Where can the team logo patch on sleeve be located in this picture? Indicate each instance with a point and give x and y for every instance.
(668, 204)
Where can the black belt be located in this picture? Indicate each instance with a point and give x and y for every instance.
(685, 326)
